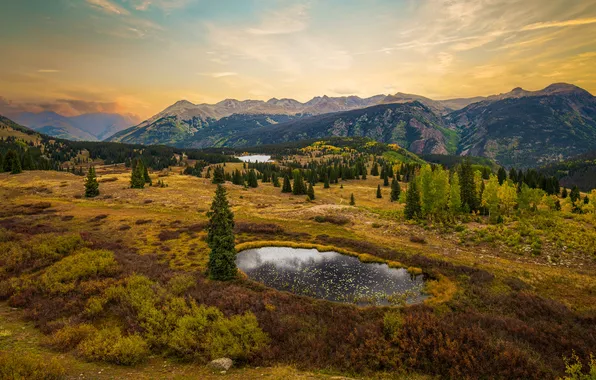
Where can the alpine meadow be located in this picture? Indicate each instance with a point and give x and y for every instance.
(403, 209)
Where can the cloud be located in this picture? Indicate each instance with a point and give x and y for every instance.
(108, 7)
(65, 107)
(48, 71)
(165, 5)
(292, 19)
(223, 74)
(559, 24)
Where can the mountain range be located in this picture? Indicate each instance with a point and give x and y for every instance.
(522, 128)
(89, 127)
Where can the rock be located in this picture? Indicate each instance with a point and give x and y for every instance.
(221, 364)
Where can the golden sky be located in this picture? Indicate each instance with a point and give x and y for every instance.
(139, 56)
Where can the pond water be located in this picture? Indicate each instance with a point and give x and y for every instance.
(330, 276)
(255, 158)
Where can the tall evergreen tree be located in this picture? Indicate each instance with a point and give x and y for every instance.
(298, 187)
(220, 237)
(326, 181)
(575, 194)
(413, 208)
(469, 192)
(352, 200)
(310, 192)
(91, 184)
(10, 157)
(137, 178)
(287, 186)
(395, 190)
(379, 194)
(275, 180)
(28, 163)
(501, 175)
(252, 179)
(15, 166)
(386, 180)
(564, 193)
(219, 175)
(146, 176)
(375, 170)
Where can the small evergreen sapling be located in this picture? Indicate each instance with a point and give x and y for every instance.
(91, 184)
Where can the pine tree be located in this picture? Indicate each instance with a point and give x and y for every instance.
(298, 187)
(379, 194)
(146, 177)
(375, 170)
(575, 194)
(91, 184)
(252, 179)
(220, 237)
(137, 179)
(28, 163)
(310, 192)
(219, 175)
(413, 208)
(564, 193)
(287, 186)
(501, 175)
(395, 190)
(15, 167)
(275, 180)
(10, 157)
(469, 198)
(352, 200)
(326, 181)
(386, 180)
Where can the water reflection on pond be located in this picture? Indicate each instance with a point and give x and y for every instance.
(255, 158)
(330, 275)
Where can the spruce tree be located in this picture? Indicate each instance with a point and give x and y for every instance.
(15, 167)
(352, 200)
(326, 181)
(413, 208)
(310, 192)
(469, 197)
(395, 190)
(501, 175)
(379, 194)
(275, 180)
(252, 179)
(11, 156)
(386, 180)
(564, 193)
(219, 175)
(287, 186)
(298, 187)
(28, 163)
(146, 177)
(137, 179)
(91, 184)
(575, 194)
(220, 237)
(375, 170)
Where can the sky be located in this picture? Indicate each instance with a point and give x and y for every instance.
(140, 56)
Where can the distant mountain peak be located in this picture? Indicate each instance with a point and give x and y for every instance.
(183, 102)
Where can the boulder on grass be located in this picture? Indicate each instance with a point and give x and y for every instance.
(221, 364)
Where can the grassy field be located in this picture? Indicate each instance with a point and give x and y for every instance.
(530, 309)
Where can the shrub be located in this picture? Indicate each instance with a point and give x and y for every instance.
(393, 322)
(61, 277)
(206, 334)
(17, 365)
(339, 220)
(110, 346)
(574, 366)
(69, 337)
(181, 283)
(418, 239)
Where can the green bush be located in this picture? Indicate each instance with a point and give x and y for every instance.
(181, 283)
(69, 337)
(18, 365)
(574, 368)
(61, 276)
(206, 333)
(110, 346)
(393, 322)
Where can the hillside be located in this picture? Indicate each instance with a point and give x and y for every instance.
(577, 171)
(532, 129)
(88, 127)
(411, 125)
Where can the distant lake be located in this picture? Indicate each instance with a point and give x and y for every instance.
(329, 275)
(255, 158)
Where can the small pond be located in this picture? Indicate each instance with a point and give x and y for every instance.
(255, 158)
(330, 276)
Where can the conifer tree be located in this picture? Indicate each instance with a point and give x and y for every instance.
(28, 163)
(395, 190)
(352, 200)
(564, 193)
(379, 194)
(252, 179)
(219, 175)
(10, 157)
(146, 176)
(310, 192)
(575, 194)
(137, 179)
(375, 170)
(220, 237)
(501, 175)
(413, 208)
(326, 181)
(469, 198)
(386, 180)
(15, 167)
(287, 186)
(275, 180)
(91, 184)
(298, 187)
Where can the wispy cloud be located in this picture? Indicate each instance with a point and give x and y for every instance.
(108, 6)
(48, 71)
(288, 20)
(560, 24)
(165, 5)
(222, 74)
